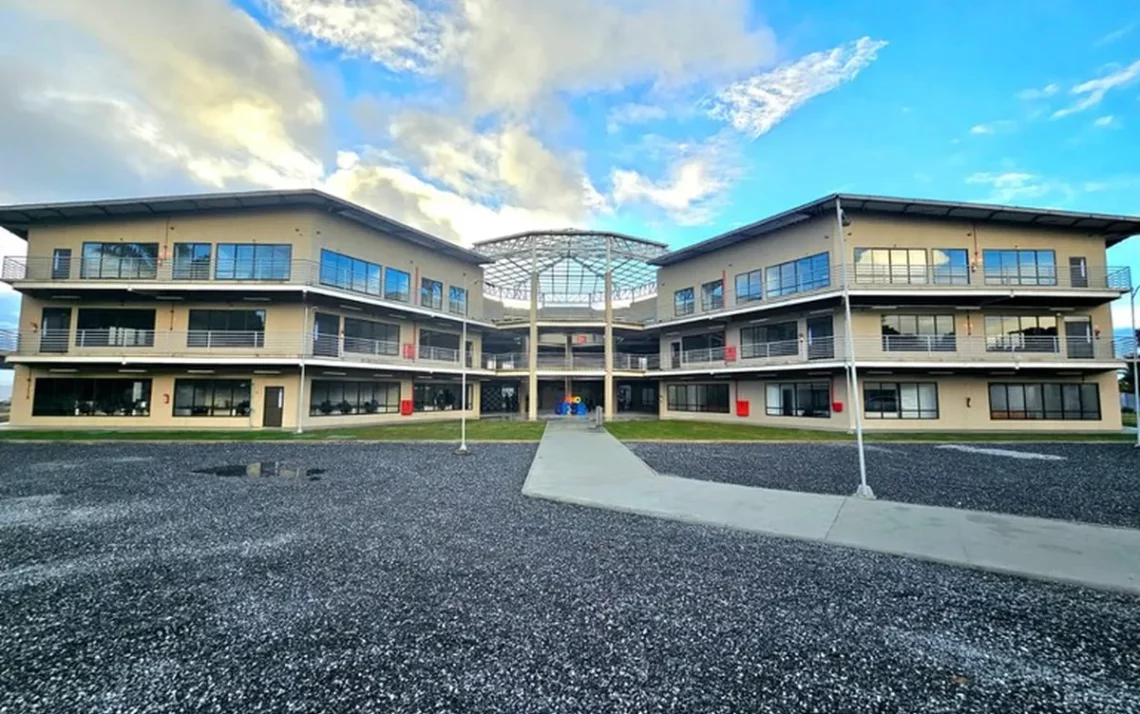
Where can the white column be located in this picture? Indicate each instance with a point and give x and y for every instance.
(608, 342)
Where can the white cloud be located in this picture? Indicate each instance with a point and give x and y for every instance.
(1119, 33)
(1012, 187)
(981, 129)
(634, 114)
(994, 127)
(753, 106)
(1104, 121)
(1043, 93)
(1092, 92)
(693, 184)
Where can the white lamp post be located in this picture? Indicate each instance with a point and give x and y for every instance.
(462, 450)
(855, 398)
(1135, 361)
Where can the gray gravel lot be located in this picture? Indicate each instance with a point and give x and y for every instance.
(406, 579)
(1094, 483)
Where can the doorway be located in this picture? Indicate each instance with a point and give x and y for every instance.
(274, 406)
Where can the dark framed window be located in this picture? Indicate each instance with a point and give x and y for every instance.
(99, 327)
(712, 295)
(950, 266)
(749, 286)
(704, 348)
(457, 300)
(439, 346)
(373, 338)
(253, 261)
(440, 396)
(698, 398)
(890, 265)
(211, 397)
(918, 333)
(1056, 401)
(431, 293)
(684, 303)
(900, 400)
(777, 340)
(341, 398)
(1020, 267)
(226, 328)
(87, 397)
(798, 399)
(347, 273)
(102, 261)
(191, 261)
(799, 276)
(61, 264)
(1022, 333)
(397, 285)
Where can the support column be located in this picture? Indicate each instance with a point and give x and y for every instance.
(610, 392)
(532, 346)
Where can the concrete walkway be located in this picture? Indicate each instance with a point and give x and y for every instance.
(576, 464)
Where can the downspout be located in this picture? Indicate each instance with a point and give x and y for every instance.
(301, 389)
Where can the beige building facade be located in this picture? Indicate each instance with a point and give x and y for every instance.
(297, 310)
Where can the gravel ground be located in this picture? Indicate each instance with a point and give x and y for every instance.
(1094, 483)
(406, 579)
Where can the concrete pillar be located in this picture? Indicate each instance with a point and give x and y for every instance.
(610, 392)
(532, 348)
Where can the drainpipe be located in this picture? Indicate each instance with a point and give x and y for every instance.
(301, 388)
(864, 491)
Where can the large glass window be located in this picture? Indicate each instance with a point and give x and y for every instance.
(346, 273)
(253, 261)
(749, 287)
(440, 396)
(373, 338)
(226, 328)
(457, 300)
(950, 266)
(777, 340)
(102, 261)
(338, 398)
(211, 397)
(439, 346)
(918, 333)
(98, 327)
(397, 285)
(431, 293)
(890, 265)
(1020, 267)
(90, 397)
(698, 398)
(1045, 401)
(712, 295)
(1021, 333)
(900, 400)
(799, 399)
(799, 276)
(683, 302)
(708, 347)
(191, 261)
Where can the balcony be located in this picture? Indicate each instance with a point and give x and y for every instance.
(623, 362)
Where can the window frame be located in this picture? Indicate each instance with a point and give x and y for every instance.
(345, 272)
(753, 286)
(696, 397)
(102, 259)
(813, 387)
(712, 295)
(453, 302)
(807, 274)
(918, 340)
(353, 343)
(900, 412)
(391, 274)
(1044, 391)
(1009, 267)
(680, 299)
(190, 267)
(225, 335)
(431, 293)
(277, 257)
(90, 385)
(899, 266)
(954, 275)
(211, 389)
(420, 402)
(330, 389)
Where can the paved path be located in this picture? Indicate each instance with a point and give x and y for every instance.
(576, 464)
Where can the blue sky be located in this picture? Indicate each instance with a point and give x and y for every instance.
(672, 119)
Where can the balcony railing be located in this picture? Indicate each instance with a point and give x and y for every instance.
(437, 354)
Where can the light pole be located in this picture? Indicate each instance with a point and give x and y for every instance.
(1135, 361)
(462, 450)
(864, 490)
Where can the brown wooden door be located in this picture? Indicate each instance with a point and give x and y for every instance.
(274, 406)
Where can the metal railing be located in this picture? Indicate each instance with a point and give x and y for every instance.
(437, 354)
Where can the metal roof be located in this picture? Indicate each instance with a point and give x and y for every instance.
(19, 218)
(1113, 228)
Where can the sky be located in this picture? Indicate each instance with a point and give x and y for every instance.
(669, 119)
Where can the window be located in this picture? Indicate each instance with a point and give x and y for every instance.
(336, 398)
(900, 400)
(226, 328)
(397, 285)
(798, 276)
(341, 271)
(211, 397)
(61, 264)
(1020, 267)
(114, 328)
(703, 348)
(373, 338)
(119, 260)
(890, 265)
(253, 261)
(799, 399)
(457, 300)
(683, 302)
(748, 287)
(1045, 401)
(918, 333)
(950, 266)
(440, 397)
(440, 346)
(712, 295)
(1021, 333)
(91, 397)
(191, 261)
(778, 340)
(431, 293)
(698, 398)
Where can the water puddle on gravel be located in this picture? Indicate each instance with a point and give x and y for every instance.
(262, 469)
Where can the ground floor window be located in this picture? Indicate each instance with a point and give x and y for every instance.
(698, 398)
(211, 397)
(799, 399)
(440, 397)
(335, 398)
(900, 400)
(1045, 401)
(91, 397)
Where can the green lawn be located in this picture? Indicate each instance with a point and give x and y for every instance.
(443, 431)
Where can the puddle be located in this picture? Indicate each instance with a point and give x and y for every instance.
(263, 469)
